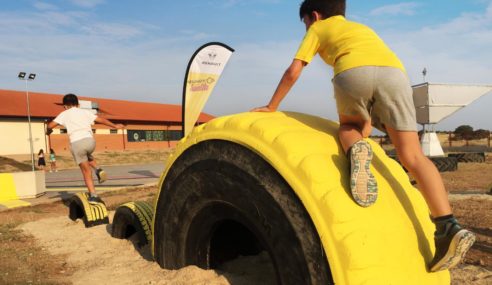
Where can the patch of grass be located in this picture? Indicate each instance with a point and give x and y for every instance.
(12, 165)
(7, 232)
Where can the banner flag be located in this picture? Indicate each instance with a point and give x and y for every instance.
(203, 72)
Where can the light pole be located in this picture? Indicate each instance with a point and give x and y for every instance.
(32, 76)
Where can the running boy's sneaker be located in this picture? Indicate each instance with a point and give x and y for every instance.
(101, 175)
(363, 185)
(95, 200)
(451, 246)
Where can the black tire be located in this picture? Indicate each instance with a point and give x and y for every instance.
(91, 214)
(444, 164)
(218, 184)
(131, 218)
(469, 156)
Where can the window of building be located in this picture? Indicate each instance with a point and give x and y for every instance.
(93, 131)
(152, 135)
(174, 135)
(113, 131)
(63, 131)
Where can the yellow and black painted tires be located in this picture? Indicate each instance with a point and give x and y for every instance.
(221, 201)
(281, 180)
(91, 214)
(133, 217)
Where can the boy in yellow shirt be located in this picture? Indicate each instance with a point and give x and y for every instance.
(372, 88)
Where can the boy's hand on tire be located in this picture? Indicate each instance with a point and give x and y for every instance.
(263, 109)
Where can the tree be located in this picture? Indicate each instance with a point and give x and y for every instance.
(464, 132)
(481, 134)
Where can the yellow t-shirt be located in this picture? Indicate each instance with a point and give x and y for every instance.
(344, 44)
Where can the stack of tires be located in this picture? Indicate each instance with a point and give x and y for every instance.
(444, 163)
(477, 157)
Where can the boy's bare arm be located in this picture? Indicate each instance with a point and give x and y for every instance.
(108, 123)
(49, 128)
(52, 125)
(288, 80)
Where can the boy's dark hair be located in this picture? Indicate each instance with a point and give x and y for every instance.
(327, 8)
(70, 100)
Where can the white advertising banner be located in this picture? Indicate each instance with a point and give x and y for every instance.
(203, 72)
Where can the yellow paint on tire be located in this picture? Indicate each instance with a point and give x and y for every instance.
(388, 243)
(93, 212)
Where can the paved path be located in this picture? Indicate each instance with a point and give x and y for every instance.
(118, 176)
(62, 184)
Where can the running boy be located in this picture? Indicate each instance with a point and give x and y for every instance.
(372, 88)
(82, 144)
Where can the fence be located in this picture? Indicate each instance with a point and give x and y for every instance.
(449, 142)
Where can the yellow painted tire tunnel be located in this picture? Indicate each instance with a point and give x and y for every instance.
(278, 182)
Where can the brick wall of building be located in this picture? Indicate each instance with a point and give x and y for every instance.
(114, 142)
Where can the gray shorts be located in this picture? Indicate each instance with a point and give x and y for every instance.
(379, 93)
(82, 150)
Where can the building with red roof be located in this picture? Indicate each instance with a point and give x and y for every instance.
(147, 125)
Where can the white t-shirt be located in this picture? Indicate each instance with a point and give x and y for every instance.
(78, 123)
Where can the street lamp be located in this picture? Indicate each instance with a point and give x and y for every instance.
(32, 76)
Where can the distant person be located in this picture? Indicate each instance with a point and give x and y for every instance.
(53, 161)
(372, 88)
(82, 144)
(41, 160)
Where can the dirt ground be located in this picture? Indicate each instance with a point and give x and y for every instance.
(470, 177)
(40, 245)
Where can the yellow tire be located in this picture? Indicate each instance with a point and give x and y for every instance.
(91, 214)
(390, 242)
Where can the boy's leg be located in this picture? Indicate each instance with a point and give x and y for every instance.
(81, 151)
(363, 185)
(352, 129)
(87, 173)
(452, 242)
(100, 173)
(93, 163)
(428, 179)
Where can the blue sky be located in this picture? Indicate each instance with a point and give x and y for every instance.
(138, 50)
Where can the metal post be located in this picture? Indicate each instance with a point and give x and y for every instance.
(30, 130)
(489, 139)
(45, 136)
